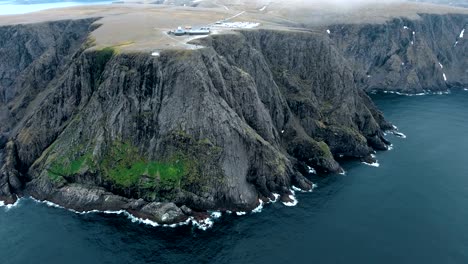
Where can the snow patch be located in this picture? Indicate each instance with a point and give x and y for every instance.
(311, 170)
(441, 66)
(241, 213)
(405, 27)
(262, 9)
(445, 77)
(462, 33)
(155, 54)
(328, 31)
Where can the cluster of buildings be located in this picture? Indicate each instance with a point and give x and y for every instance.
(188, 30)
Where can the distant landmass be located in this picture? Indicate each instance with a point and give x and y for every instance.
(462, 3)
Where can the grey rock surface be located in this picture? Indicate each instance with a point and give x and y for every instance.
(216, 128)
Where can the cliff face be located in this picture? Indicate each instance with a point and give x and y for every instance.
(33, 58)
(215, 128)
(408, 56)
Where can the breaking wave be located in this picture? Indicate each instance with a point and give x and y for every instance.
(425, 92)
(374, 164)
(10, 206)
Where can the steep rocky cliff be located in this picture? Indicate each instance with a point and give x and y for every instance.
(409, 56)
(216, 128)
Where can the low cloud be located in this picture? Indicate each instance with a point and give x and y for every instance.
(337, 3)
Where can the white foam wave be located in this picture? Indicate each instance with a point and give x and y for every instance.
(311, 170)
(465, 89)
(293, 200)
(10, 206)
(399, 134)
(277, 196)
(216, 214)
(390, 147)
(297, 189)
(202, 224)
(259, 208)
(425, 92)
(374, 164)
(241, 213)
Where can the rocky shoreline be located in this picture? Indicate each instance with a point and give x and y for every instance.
(232, 126)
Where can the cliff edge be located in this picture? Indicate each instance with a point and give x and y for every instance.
(227, 126)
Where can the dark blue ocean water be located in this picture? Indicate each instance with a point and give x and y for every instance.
(412, 209)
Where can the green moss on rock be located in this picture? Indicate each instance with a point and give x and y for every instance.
(126, 167)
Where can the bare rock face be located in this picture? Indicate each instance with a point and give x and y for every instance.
(164, 213)
(163, 137)
(407, 56)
